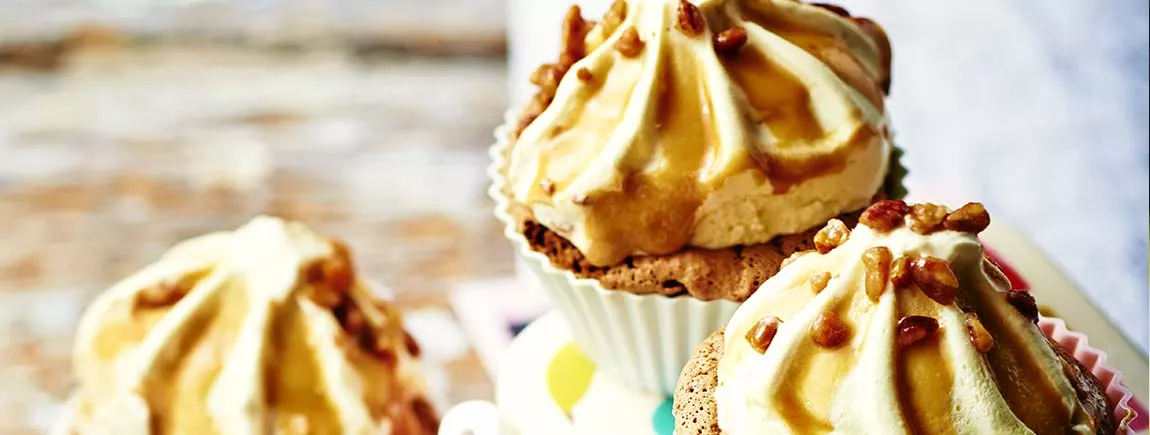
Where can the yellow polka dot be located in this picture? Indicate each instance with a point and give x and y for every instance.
(568, 377)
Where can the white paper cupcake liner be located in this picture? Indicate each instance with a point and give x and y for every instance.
(1076, 345)
(641, 340)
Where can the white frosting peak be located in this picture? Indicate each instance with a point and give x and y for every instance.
(872, 385)
(244, 350)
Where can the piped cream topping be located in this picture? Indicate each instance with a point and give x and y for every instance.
(942, 384)
(656, 139)
(243, 347)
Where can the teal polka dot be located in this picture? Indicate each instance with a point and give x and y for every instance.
(663, 421)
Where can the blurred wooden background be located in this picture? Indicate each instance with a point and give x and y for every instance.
(121, 136)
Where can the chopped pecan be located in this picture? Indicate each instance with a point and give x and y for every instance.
(901, 273)
(574, 31)
(1024, 302)
(629, 44)
(913, 329)
(690, 19)
(350, 318)
(730, 41)
(584, 74)
(411, 345)
(971, 218)
(884, 215)
(338, 274)
(323, 295)
(547, 77)
(877, 262)
(979, 336)
(926, 218)
(761, 335)
(819, 281)
(935, 279)
(835, 233)
(827, 330)
(614, 16)
(837, 10)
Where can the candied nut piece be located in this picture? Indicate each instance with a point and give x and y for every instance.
(614, 16)
(411, 345)
(690, 19)
(761, 335)
(1024, 302)
(971, 218)
(160, 295)
(584, 74)
(831, 236)
(547, 77)
(925, 218)
(730, 41)
(828, 331)
(877, 262)
(913, 329)
(837, 10)
(901, 274)
(935, 279)
(819, 281)
(574, 30)
(979, 336)
(629, 44)
(338, 274)
(884, 215)
(350, 318)
(323, 295)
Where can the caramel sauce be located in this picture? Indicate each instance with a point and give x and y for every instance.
(838, 57)
(652, 208)
(118, 335)
(567, 152)
(1019, 376)
(782, 101)
(293, 378)
(829, 49)
(785, 107)
(813, 374)
(924, 373)
(176, 388)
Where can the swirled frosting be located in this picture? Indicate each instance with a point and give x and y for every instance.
(943, 384)
(711, 125)
(261, 330)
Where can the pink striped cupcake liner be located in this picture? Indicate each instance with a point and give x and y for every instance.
(1130, 414)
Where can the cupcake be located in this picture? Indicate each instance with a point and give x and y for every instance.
(899, 326)
(677, 152)
(266, 329)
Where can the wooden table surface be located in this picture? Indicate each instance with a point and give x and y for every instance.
(118, 151)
